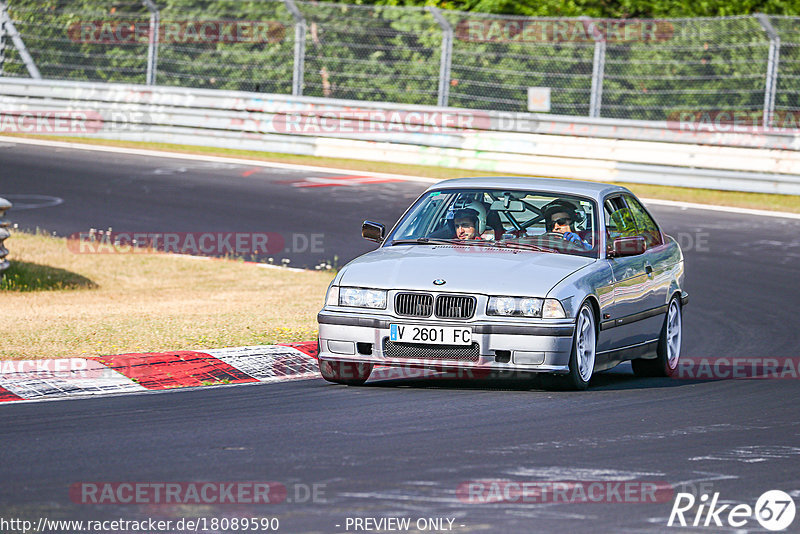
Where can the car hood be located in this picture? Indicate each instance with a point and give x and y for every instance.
(487, 270)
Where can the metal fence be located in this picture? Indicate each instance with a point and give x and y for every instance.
(632, 69)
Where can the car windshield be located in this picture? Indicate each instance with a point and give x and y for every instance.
(531, 220)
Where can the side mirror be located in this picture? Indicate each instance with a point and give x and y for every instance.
(373, 231)
(628, 246)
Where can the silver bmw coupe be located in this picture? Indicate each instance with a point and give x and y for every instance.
(532, 275)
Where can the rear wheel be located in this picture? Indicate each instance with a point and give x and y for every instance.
(347, 373)
(669, 346)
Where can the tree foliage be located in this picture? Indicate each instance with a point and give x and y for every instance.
(391, 50)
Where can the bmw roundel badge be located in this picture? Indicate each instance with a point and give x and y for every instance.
(439, 282)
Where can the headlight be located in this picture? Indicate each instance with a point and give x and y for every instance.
(525, 307)
(332, 297)
(362, 298)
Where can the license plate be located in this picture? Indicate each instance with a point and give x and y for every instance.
(431, 335)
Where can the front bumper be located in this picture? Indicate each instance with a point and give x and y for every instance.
(534, 346)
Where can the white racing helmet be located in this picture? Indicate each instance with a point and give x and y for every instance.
(480, 214)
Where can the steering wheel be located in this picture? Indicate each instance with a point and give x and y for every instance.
(556, 240)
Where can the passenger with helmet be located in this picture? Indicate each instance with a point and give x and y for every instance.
(469, 222)
(559, 216)
(466, 223)
(466, 220)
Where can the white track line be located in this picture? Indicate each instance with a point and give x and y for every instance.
(335, 170)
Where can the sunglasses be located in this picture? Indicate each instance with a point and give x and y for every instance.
(562, 221)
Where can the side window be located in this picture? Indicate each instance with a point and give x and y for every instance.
(619, 220)
(647, 226)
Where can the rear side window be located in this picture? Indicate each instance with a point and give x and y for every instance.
(648, 228)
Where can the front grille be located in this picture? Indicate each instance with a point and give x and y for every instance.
(413, 304)
(418, 351)
(454, 307)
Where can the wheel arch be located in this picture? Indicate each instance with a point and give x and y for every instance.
(595, 303)
(677, 294)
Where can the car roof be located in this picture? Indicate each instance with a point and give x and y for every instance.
(595, 190)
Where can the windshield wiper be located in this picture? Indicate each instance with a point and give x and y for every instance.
(424, 241)
(525, 246)
(471, 242)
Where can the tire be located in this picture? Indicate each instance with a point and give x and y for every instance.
(346, 373)
(583, 355)
(669, 345)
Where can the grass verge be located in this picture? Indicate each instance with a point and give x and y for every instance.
(118, 303)
(764, 201)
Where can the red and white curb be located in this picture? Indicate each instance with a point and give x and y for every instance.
(131, 373)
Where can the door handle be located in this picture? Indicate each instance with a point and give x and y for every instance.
(648, 269)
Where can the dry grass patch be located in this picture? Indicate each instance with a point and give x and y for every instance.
(117, 303)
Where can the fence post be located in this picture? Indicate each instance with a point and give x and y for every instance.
(152, 47)
(773, 59)
(5, 205)
(598, 67)
(299, 47)
(446, 60)
(2, 39)
(18, 42)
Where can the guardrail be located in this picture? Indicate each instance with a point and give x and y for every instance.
(491, 142)
(5, 205)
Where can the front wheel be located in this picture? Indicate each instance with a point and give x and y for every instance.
(347, 373)
(669, 346)
(584, 348)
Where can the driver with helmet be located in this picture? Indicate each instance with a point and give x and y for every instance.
(559, 216)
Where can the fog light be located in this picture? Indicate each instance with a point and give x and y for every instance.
(342, 347)
(524, 357)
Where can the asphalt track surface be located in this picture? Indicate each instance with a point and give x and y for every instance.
(401, 448)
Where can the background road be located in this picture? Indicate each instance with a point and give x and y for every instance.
(139, 194)
(402, 447)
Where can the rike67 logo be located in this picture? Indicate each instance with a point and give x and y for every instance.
(774, 510)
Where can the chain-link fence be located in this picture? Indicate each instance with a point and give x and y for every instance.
(631, 69)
